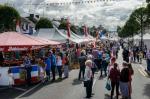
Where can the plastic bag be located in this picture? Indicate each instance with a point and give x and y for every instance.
(108, 85)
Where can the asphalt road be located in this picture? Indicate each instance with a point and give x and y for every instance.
(71, 88)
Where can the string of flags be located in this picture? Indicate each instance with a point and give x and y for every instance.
(73, 2)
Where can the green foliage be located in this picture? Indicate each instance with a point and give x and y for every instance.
(136, 22)
(148, 13)
(73, 29)
(32, 19)
(8, 16)
(148, 1)
(63, 25)
(43, 23)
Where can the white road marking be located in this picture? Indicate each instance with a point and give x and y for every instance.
(28, 91)
(142, 67)
(142, 72)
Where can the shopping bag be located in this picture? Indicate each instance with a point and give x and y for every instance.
(108, 85)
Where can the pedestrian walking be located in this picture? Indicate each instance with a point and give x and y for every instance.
(104, 66)
(28, 68)
(47, 67)
(59, 66)
(124, 81)
(88, 78)
(125, 55)
(148, 60)
(113, 60)
(140, 56)
(94, 67)
(82, 60)
(53, 64)
(131, 72)
(114, 77)
(66, 65)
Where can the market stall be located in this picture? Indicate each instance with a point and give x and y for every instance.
(13, 46)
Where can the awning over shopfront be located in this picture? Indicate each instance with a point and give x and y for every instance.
(13, 41)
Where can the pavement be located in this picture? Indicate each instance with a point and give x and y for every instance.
(71, 88)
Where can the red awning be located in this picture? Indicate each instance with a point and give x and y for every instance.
(13, 41)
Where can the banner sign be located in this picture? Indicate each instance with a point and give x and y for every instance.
(18, 48)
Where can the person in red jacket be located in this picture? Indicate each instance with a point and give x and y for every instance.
(131, 72)
(114, 77)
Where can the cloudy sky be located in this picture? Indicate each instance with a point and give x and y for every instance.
(110, 14)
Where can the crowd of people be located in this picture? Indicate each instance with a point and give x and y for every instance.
(103, 59)
(52, 63)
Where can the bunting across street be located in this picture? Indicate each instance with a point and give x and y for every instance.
(68, 2)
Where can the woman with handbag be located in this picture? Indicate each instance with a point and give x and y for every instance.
(88, 78)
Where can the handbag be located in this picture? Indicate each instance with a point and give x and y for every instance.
(108, 85)
(86, 83)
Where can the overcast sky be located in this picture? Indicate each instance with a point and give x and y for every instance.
(109, 14)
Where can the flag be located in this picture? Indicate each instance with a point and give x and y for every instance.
(97, 35)
(18, 26)
(85, 31)
(19, 74)
(94, 44)
(68, 28)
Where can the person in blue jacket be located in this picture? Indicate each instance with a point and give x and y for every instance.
(53, 64)
(47, 68)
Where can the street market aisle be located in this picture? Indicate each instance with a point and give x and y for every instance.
(71, 88)
(141, 83)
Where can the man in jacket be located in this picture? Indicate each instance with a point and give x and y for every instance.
(53, 64)
(82, 60)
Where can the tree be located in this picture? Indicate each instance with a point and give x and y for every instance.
(43, 23)
(148, 1)
(137, 21)
(63, 25)
(130, 28)
(8, 16)
(74, 29)
(118, 28)
(148, 13)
